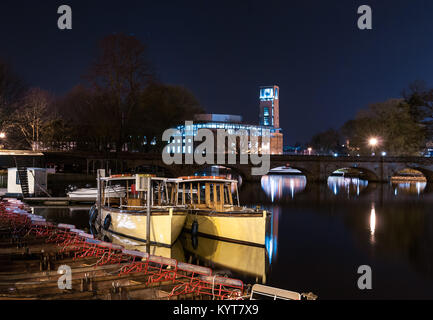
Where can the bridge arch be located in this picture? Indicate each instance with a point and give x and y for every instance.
(288, 170)
(298, 168)
(360, 171)
(428, 174)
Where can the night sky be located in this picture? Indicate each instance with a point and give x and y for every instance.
(222, 51)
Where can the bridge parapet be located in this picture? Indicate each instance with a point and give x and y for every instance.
(316, 168)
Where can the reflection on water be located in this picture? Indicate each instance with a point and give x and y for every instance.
(173, 252)
(346, 185)
(278, 187)
(271, 241)
(372, 223)
(249, 263)
(324, 238)
(408, 187)
(316, 241)
(226, 257)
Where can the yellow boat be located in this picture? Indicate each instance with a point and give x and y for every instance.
(124, 212)
(213, 207)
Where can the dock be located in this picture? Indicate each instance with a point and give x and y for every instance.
(43, 260)
(56, 201)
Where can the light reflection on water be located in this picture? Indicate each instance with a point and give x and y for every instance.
(323, 239)
(409, 187)
(282, 186)
(271, 241)
(347, 186)
(387, 226)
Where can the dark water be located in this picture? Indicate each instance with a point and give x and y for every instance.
(320, 234)
(323, 233)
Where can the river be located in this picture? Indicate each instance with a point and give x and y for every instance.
(319, 235)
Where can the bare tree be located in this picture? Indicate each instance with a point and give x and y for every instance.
(31, 116)
(119, 74)
(11, 89)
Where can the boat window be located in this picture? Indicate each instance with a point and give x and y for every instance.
(171, 190)
(194, 192)
(211, 200)
(227, 195)
(234, 194)
(158, 193)
(218, 193)
(183, 193)
(202, 193)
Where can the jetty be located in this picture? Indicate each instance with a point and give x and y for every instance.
(56, 201)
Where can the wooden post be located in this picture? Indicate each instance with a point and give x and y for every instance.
(149, 193)
(99, 174)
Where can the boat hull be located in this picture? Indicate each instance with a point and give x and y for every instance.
(241, 228)
(165, 225)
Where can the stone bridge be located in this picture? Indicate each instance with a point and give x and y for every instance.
(316, 168)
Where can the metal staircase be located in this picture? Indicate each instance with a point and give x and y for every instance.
(24, 182)
(22, 165)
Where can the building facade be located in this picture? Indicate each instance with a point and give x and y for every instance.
(235, 126)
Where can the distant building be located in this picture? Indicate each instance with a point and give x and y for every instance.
(269, 106)
(268, 120)
(270, 115)
(429, 149)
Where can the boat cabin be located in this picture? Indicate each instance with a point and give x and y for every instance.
(208, 193)
(130, 192)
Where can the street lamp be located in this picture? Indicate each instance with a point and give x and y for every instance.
(309, 151)
(2, 137)
(373, 142)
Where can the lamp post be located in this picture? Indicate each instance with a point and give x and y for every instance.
(2, 138)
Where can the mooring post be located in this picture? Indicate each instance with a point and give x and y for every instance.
(100, 173)
(149, 194)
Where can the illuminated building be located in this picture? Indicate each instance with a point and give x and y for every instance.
(270, 116)
(269, 106)
(268, 124)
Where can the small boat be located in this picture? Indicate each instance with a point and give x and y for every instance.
(262, 292)
(214, 211)
(93, 192)
(125, 213)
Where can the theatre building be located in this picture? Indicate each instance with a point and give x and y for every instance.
(233, 124)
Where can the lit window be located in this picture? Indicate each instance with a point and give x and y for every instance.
(266, 93)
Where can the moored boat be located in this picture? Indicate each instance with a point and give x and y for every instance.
(214, 211)
(114, 191)
(126, 214)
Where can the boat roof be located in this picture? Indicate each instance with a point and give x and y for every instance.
(130, 177)
(118, 177)
(275, 292)
(29, 168)
(206, 178)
